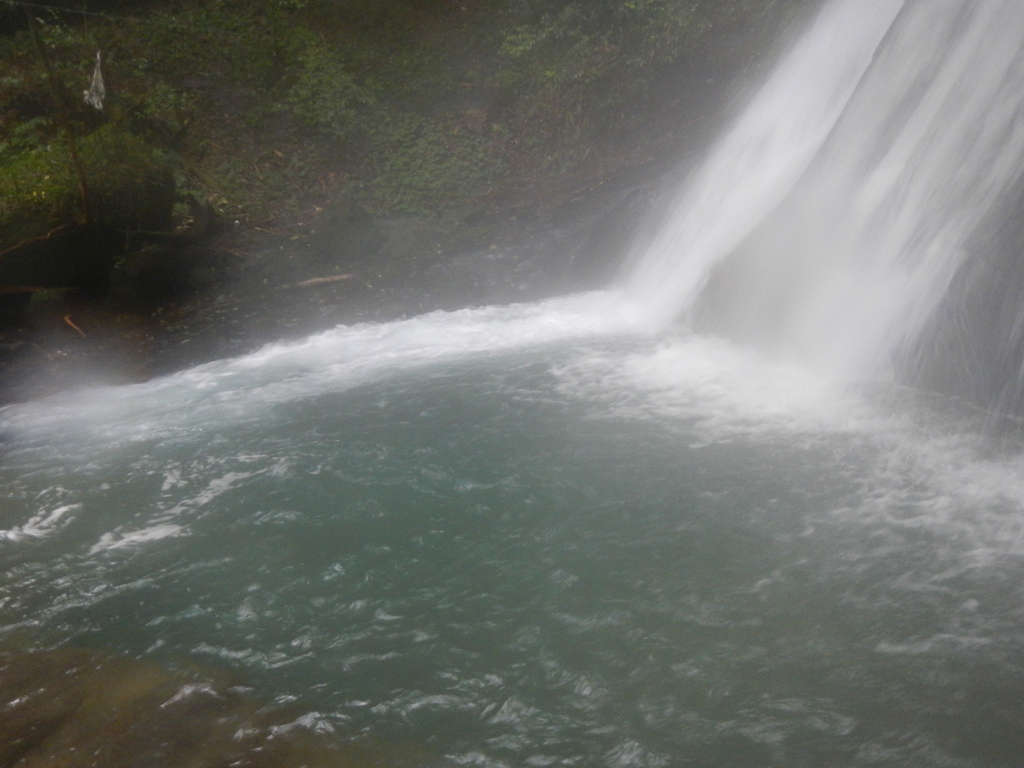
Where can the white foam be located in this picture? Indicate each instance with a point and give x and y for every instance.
(45, 523)
(759, 160)
(122, 540)
(714, 387)
(914, 472)
(238, 389)
(214, 488)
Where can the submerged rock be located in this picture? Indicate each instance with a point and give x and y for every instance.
(83, 708)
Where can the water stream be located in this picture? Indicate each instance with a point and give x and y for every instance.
(688, 521)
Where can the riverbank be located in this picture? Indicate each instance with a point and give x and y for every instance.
(273, 287)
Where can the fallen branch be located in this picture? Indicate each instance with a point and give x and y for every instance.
(38, 239)
(67, 319)
(322, 280)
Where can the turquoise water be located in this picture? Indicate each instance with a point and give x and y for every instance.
(617, 550)
(558, 534)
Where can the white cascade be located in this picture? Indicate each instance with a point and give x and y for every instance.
(829, 222)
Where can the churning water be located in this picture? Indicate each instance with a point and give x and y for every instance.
(570, 533)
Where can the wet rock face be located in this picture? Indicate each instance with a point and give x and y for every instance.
(78, 708)
(78, 256)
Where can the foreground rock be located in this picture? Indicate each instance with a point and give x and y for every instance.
(81, 708)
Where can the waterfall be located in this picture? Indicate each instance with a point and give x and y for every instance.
(829, 223)
(757, 163)
(560, 534)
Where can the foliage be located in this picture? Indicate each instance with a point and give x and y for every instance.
(576, 62)
(130, 186)
(164, 114)
(422, 164)
(271, 107)
(36, 191)
(27, 107)
(325, 95)
(648, 31)
(238, 42)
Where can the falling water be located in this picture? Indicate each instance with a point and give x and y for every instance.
(574, 533)
(760, 159)
(841, 259)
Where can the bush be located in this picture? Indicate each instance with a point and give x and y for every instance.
(325, 95)
(425, 165)
(131, 187)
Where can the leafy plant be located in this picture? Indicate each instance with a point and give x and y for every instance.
(326, 95)
(426, 165)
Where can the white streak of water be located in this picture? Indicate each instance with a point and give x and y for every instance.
(760, 159)
(199, 400)
(849, 269)
(828, 224)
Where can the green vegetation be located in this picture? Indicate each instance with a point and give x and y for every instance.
(422, 164)
(271, 110)
(578, 62)
(131, 187)
(325, 95)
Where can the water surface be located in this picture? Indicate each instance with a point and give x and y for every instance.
(627, 550)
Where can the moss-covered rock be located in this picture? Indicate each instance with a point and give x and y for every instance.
(74, 256)
(131, 184)
(130, 187)
(46, 237)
